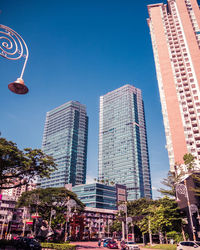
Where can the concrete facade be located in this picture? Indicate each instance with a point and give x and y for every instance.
(175, 34)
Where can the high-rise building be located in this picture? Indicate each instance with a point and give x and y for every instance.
(175, 34)
(123, 150)
(65, 139)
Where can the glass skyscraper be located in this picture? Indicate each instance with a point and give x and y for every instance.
(123, 150)
(65, 139)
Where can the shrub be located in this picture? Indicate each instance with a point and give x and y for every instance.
(4, 243)
(175, 236)
(64, 246)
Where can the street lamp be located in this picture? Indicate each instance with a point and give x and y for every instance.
(7, 217)
(182, 189)
(13, 47)
(70, 204)
(123, 208)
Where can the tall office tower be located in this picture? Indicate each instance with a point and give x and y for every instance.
(175, 34)
(65, 139)
(123, 150)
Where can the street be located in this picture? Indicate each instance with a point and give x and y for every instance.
(94, 245)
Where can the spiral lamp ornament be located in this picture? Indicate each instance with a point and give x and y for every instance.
(13, 47)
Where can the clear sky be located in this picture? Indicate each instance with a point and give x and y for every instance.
(80, 50)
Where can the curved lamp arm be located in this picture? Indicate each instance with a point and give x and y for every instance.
(13, 47)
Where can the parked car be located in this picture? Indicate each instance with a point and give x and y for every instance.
(186, 245)
(131, 245)
(112, 244)
(105, 242)
(26, 243)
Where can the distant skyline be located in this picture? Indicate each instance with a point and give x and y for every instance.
(80, 50)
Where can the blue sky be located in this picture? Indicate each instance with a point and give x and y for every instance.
(80, 50)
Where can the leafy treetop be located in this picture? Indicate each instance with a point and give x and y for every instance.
(19, 167)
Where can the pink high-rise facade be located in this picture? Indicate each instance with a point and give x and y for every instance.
(175, 34)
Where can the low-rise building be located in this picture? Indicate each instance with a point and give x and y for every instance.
(99, 195)
(10, 216)
(98, 221)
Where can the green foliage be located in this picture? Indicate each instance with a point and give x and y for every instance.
(64, 246)
(170, 182)
(43, 200)
(19, 167)
(177, 237)
(163, 246)
(189, 161)
(4, 243)
(196, 178)
(115, 227)
(138, 207)
(163, 215)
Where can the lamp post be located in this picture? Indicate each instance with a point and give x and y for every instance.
(182, 189)
(9, 218)
(13, 47)
(2, 226)
(70, 204)
(123, 208)
(52, 213)
(128, 220)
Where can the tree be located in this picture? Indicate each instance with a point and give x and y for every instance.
(170, 182)
(116, 226)
(166, 217)
(189, 161)
(161, 216)
(173, 178)
(43, 201)
(19, 167)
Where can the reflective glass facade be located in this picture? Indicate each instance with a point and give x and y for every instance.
(65, 139)
(97, 195)
(123, 150)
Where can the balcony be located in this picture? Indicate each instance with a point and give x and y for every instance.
(194, 123)
(3, 212)
(193, 117)
(191, 111)
(195, 129)
(197, 137)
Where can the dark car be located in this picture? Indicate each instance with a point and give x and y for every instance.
(27, 244)
(112, 244)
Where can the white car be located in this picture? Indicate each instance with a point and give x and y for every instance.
(131, 245)
(187, 245)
